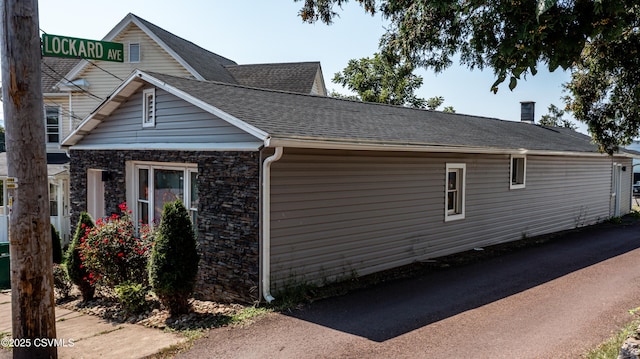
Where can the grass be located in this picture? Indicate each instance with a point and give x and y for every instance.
(611, 348)
(245, 316)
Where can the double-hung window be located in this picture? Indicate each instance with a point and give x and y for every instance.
(455, 191)
(134, 52)
(160, 184)
(518, 172)
(52, 124)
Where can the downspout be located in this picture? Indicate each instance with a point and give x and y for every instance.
(266, 224)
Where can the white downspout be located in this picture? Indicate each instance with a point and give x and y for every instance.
(266, 224)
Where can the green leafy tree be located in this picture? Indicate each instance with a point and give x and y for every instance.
(605, 89)
(555, 119)
(378, 80)
(174, 259)
(77, 271)
(597, 39)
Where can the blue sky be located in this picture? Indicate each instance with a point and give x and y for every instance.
(250, 31)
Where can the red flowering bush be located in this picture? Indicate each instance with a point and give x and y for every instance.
(114, 252)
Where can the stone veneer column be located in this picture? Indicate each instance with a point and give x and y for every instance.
(228, 212)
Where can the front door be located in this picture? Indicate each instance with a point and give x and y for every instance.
(95, 194)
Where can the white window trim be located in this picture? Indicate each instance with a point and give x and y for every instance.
(139, 52)
(133, 188)
(524, 175)
(463, 184)
(46, 125)
(149, 119)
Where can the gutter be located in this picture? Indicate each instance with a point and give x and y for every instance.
(266, 224)
(333, 144)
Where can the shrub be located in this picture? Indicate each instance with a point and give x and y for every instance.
(76, 270)
(56, 246)
(132, 297)
(114, 253)
(174, 259)
(61, 281)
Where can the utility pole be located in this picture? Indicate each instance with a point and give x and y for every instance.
(32, 300)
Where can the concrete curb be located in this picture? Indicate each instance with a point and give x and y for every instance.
(85, 336)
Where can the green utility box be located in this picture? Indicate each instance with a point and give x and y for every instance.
(5, 271)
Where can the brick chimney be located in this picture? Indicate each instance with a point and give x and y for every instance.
(527, 111)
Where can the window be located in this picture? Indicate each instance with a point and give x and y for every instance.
(53, 199)
(134, 52)
(518, 172)
(159, 184)
(455, 193)
(149, 108)
(52, 124)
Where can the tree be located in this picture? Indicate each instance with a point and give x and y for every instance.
(174, 258)
(514, 39)
(605, 89)
(56, 246)
(379, 80)
(555, 119)
(77, 271)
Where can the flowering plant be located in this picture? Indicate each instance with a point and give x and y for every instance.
(115, 252)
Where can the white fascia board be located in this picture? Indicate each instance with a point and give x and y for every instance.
(237, 147)
(372, 146)
(169, 50)
(109, 37)
(122, 25)
(252, 130)
(105, 108)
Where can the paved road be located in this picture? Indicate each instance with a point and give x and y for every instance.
(552, 301)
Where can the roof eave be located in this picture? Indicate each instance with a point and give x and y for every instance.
(333, 144)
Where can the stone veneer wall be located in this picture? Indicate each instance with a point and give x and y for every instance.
(228, 212)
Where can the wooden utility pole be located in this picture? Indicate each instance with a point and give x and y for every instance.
(32, 300)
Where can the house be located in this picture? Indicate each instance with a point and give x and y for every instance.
(58, 177)
(287, 188)
(72, 88)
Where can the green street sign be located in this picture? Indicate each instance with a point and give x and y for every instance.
(63, 46)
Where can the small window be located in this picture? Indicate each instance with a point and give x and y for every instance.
(52, 124)
(149, 108)
(518, 172)
(455, 193)
(134, 52)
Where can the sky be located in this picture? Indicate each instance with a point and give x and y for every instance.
(254, 31)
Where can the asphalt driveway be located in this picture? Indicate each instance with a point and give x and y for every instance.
(552, 301)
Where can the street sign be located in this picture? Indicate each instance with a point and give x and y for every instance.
(63, 46)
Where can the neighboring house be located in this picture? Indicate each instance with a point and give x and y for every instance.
(58, 178)
(287, 188)
(72, 88)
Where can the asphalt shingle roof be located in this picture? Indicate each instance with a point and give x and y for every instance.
(208, 64)
(288, 115)
(291, 77)
(53, 71)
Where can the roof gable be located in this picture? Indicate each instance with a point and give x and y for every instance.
(201, 63)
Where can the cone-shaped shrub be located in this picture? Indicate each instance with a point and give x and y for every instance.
(56, 246)
(174, 259)
(77, 273)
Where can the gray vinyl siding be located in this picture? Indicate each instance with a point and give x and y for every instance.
(336, 214)
(177, 121)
